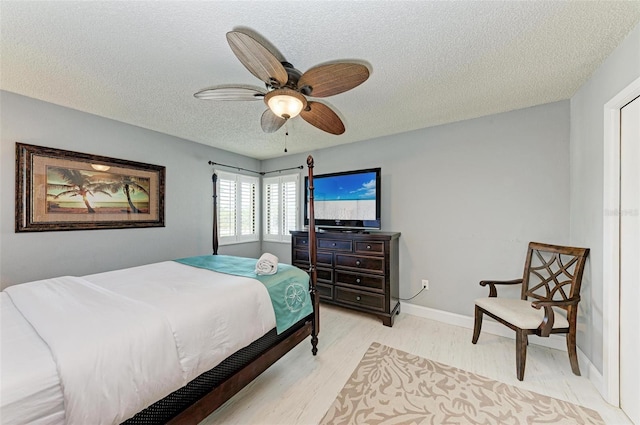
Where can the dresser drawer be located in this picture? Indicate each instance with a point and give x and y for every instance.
(324, 275)
(374, 283)
(300, 242)
(325, 291)
(370, 264)
(360, 298)
(335, 245)
(370, 247)
(302, 255)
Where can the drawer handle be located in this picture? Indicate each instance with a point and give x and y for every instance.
(334, 244)
(368, 246)
(358, 298)
(358, 280)
(358, 263)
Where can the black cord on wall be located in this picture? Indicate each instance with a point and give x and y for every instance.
(408, 299)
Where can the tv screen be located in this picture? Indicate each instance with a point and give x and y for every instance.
(345, 200)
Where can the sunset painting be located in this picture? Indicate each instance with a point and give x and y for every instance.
(58, 190)
(76, 191)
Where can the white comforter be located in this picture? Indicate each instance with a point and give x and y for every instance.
(27, 372)
(123, 340)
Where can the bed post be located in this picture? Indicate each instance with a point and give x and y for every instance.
(315, 330)
(214, 178)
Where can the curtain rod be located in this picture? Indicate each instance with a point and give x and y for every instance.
(262, 173)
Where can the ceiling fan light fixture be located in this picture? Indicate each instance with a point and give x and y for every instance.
(285, 103)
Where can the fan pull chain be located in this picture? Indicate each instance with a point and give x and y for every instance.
(286, 133)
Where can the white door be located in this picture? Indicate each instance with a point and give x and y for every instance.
(630, 259)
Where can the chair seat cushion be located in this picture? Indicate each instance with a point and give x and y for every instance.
(519, 312)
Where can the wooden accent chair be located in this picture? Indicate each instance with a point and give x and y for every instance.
(550, 283)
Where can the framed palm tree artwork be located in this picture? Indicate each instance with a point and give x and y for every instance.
(64, 190)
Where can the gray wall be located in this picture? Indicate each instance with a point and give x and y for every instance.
(30, 256)
(587, 179)
(467, 197)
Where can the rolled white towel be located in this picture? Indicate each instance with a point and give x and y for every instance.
(267, 264)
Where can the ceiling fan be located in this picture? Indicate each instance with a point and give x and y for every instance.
(287, 88)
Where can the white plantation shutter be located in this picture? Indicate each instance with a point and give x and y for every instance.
(226, 207)
(272, 215)
(280, 207)
(247, 206)
(289, 206)
(237, 213)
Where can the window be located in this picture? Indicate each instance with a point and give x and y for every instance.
(280, 207)
(237, 212)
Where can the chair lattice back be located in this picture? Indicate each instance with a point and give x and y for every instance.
(553, 272)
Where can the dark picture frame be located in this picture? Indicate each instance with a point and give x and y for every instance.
(64, 190)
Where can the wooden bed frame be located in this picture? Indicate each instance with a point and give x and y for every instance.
(275, 347)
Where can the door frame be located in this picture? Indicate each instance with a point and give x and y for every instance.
(611, 242)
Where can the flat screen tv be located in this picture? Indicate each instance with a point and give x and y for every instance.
(349, 200)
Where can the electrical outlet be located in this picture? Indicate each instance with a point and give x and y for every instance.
(425, 284)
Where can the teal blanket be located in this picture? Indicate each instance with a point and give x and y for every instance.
(288, 288)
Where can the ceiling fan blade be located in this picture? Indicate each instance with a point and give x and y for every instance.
(230, 93)
(270, 122)
(331, 79)
(257, 59)
(321, 116)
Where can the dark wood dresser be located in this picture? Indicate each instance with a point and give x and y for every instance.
(355, 270)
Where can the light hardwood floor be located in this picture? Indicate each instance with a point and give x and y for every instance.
(299, 388)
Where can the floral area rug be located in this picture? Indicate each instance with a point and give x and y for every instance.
(390, 386)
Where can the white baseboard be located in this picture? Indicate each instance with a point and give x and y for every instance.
(490, 326)
(594, 375)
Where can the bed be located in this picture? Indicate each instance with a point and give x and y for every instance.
(161, 343)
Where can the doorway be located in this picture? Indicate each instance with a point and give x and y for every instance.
(629, 255)
(621, 244)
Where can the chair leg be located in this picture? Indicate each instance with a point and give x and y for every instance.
(573, 355)
(477, 325)
(521, 352)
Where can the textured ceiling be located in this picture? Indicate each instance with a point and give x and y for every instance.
(431, 62)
